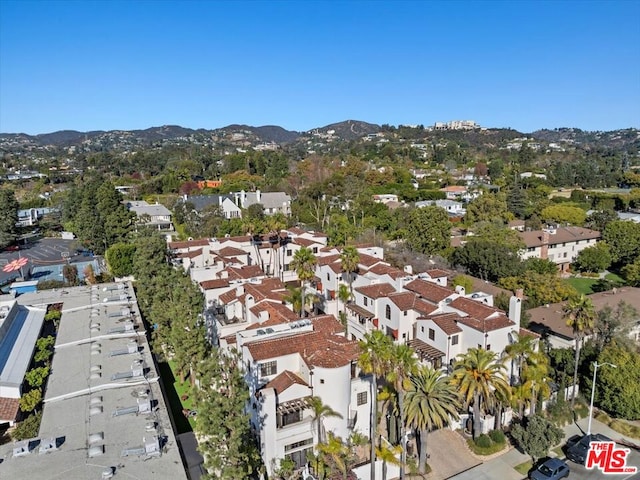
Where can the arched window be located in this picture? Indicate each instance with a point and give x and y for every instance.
(388, 312)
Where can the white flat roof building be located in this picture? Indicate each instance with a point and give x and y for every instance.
(103, 407)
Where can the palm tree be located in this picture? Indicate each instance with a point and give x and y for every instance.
(517, 352)
(335, 454)
(580, 316)
(349, 258)
(403, 364)
(294, 297)
(388, 454)
(535, 378)
(374, 359)
(344, 295)
(319, 411)
(431, 403)
(477, 374)
(304, 263)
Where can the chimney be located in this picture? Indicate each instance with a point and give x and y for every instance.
(408, 269)
(515, 307)
(240, 290)
(544, 248)
(460, 290)
(224, 274)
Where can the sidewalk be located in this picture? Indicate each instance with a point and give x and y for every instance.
(502, 467)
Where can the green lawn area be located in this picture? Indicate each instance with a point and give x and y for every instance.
(614, 277)
(582, 285)
(524, 468)
(175, 390)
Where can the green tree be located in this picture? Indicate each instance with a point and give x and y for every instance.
(36, 376)
(8, 217)
(541, 266)
(536, 435)
(28, 428)
(487, 208)
(614, 324)
(564, 214)
(431, 403)
(517, 352)
(599, 220)
(579, 315)
(304, 263)
(484, 259)
(477, 375)
(120, 257)
(375, 359)
(349, 259)
(29, 401)
(593, 259)
(623, 238)
(319, 411)
(70, 274)
(44, 347)
(344, 295)
(539, 289)
(388, 454)
(463, 281)
(403, 364)
(631, 273)
(223, 426)
(618, 389)
(428, 230)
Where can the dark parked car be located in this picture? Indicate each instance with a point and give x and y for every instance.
(552, 469)
(578, 446)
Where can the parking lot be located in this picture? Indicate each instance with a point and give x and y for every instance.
(46, 252)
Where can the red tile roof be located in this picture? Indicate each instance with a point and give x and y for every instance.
(231, 252)
(213, 284)
(474, 308)
(528, 333)
(284, 381)
(376, 290)
(9, 409)
(368, 261)
(429, 290)
(328, 259)
(245, 272)
(278, 313)
(190, 254)
(239, 239)
(410, 301)
(487, 325)
(384, 269)
(562, 235)
(437, 273)
(202, 242)
(447, 322)
(305, 242)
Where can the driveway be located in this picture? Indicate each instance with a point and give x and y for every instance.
(448, 454)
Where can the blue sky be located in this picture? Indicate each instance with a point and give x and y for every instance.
(86, 65)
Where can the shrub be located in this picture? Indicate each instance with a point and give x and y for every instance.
(27, 428)
(497, 436)
(483, 441)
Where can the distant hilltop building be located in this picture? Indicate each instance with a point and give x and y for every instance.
(456, 125)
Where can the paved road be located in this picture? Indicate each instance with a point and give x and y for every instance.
(502, 467)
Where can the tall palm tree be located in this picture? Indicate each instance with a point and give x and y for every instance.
(335, 454)
(536, 378)
(431, 403)
(319, 411)
(517, 352)
(477, 374)
(344, 295)
(403, 364)
(349, 259)
(580, 316)
(374, 359)
(304, 263)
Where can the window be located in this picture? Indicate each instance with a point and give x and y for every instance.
(387, 312)
(432, 334)
(328, 278)
(288, 253)
(366, 301)
(299, 457)
(454, 340)
(286, 267)
(322, 381)
(289, 418)
(405, 313)
(488, 346)
(315, 249)
(564, 254)
(422, 329)
(268, 368)
(362, 398)
(302, 443)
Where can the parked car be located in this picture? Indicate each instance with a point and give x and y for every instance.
(578, 446)
(552, 469)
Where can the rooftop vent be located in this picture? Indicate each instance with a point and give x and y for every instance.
(269, 330)
(96, 410)
(95, 401)
(96, 438)
(96, 451)
(260, 332)
(48, 445)
(107, 473)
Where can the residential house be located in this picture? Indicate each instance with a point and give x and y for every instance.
(156, 216)
(453, 208)
(273, 202)
(226, 203)
(560, 245)
(289, 364)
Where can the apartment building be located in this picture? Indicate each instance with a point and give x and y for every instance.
(560, 245)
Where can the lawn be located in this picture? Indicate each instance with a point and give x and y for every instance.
(175, 391)
(582, 285)
(524, 468)
(613, 277)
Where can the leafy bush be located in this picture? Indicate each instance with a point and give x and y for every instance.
(50, 284)
(28, 428)
(483, 441)
(497, 436)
